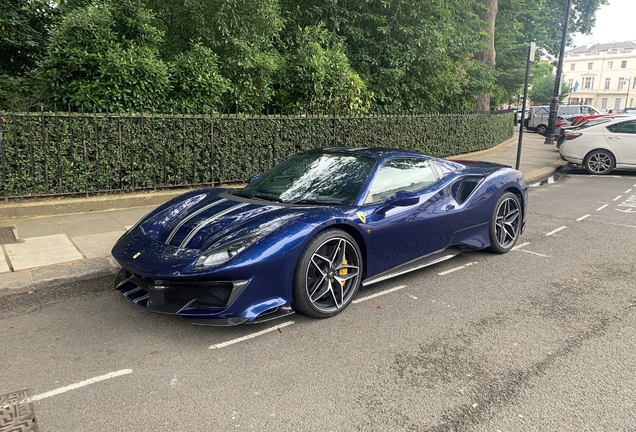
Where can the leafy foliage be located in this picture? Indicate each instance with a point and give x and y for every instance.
(317, 76)
(542, 84)
(105, 54)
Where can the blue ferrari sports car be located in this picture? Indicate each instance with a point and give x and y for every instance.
(306, 234)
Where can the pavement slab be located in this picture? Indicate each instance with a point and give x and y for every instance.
(97, 245)
(4, 267)
(39, 227)
(42, 251)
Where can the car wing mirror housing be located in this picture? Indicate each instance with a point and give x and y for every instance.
(400, 199)
(254, 178)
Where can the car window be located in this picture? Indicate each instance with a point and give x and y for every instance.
(624, 127)
(401, 174)
(585, 110)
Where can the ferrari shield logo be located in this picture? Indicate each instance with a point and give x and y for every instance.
(136, 255)
(362, 217)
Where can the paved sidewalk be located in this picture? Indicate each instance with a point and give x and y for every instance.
(73, 242)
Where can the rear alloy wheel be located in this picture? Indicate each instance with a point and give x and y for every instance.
(328, 274)
(542, 129)
(505, 223)
(599, 162)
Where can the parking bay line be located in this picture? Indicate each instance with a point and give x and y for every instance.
(80, 384)
(601, 207)
(444, 273)
(556, 230)
(583, 217)
(250, 336)
(628, 190)
(378, 294)
(617, 198)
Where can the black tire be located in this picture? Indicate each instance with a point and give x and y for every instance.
(328, 274)
(505, 223)
(599, 162)
(542, 129)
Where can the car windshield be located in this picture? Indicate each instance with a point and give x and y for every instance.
(322, 177)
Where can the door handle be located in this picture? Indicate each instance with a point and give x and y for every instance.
(450, 207)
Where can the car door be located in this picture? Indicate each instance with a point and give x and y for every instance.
(401, 234)
(622, 138)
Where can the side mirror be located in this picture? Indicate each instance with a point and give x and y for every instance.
(253, 178)
(400, 199)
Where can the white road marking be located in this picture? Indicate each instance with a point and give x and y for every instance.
(457, 268)
(250, 336)
(534, 253)
(381, 293)
(556, 230)
(617, 198)
(601, 207)
(80, 384)
(520, 246)
(583, 217)
(628, 190)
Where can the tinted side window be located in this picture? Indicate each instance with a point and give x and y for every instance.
(586, 110)
(401, 174)
(628, 127)
(613, 128)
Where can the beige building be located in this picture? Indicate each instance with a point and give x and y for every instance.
(605, 73)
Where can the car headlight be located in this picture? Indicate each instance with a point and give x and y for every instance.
(224, 253)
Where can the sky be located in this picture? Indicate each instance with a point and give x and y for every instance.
(614, 22)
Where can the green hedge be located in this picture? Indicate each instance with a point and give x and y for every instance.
(48, 153)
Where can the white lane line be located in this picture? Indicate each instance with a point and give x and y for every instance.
(628, 191)
(520, 246)
(556, 230)
(601, 207)
(583, 217)
(457, 268)
(534, 253)
(250, 336)
(617, 198)
(80, 384)
(381, 293)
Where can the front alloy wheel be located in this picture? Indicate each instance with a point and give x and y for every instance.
(328, 274)
(505, 223)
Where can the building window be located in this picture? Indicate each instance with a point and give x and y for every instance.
(624, 64)
(610, 64)
(634, 83)
(621, 83)
(607, 83)
(573, 66)
(617, 104)
(590, 66)
(604, 103)
(588, 82)
(571, 83)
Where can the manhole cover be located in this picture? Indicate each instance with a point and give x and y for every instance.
(7, 236)
(17, 413)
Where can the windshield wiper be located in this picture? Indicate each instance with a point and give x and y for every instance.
(314, 201)
(258, 196)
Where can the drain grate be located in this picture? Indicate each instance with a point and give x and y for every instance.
(7, 236)
(17, 413)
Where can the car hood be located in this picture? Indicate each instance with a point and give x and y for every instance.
(212, 217)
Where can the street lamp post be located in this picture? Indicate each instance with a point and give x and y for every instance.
(554, 105)
(629, 82)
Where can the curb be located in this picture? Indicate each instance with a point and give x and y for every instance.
(43, 278)
(487, 152)
(543, 173)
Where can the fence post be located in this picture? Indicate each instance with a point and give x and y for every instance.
(45, 149)
(212, 145)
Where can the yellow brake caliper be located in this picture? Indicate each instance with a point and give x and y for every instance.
(343, 271)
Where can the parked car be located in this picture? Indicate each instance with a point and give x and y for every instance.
(307, 234)
(584, 122)
(539, 116)
(603, 146)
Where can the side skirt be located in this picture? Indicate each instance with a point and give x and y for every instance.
(416, 264)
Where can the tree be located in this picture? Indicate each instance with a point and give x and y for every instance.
(413, 55)
(488, 14)
(317, 76)
(542, 84)
(105, 54)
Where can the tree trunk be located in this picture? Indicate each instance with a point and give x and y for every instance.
(487, 56)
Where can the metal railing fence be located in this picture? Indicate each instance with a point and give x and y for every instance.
(71, 152)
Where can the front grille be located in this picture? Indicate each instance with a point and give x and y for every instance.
(207, 295)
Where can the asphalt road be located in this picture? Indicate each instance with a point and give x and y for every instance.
(540, 339)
